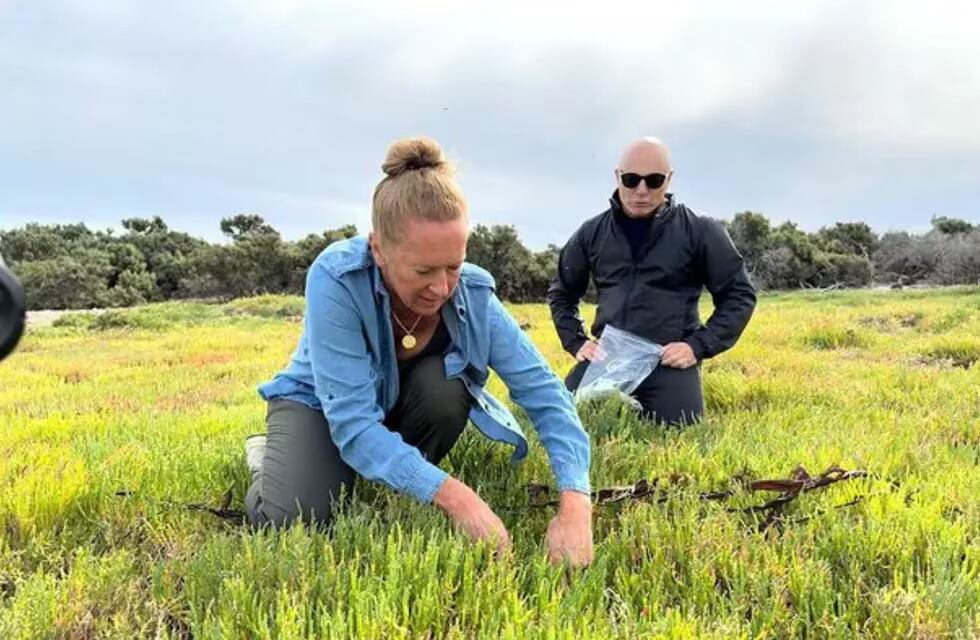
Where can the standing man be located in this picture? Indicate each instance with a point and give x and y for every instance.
(650, 258)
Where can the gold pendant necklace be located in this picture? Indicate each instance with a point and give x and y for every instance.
(408, 340)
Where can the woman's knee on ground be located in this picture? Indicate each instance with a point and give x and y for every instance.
(313, 509)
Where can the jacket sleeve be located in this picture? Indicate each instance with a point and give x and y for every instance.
(344, 381)
(565, 292)
(535, 388)
(731, 292)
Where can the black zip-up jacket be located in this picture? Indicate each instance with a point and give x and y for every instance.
(654, 293)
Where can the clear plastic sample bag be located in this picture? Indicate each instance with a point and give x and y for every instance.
(624, 361)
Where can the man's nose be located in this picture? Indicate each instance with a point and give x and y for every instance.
(642, 188)
(441, 284)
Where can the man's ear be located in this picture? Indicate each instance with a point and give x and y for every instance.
(374, 241)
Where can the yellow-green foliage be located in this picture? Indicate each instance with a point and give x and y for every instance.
(155, 402)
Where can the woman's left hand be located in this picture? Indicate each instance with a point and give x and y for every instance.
(569, 536)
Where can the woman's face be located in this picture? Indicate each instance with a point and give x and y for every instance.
(421, 268)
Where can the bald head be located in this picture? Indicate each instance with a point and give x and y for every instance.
(648, 157)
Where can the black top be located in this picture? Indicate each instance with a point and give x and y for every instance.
(636, 230)
(649, 280)
(439, 343)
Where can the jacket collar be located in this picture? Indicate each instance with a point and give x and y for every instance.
(616, 205)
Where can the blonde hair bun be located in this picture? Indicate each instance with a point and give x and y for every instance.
(420, 184)
(413, 154)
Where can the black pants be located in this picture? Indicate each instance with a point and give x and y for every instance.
(302, 473)
(668, 396)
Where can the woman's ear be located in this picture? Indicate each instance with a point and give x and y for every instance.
(374, 241)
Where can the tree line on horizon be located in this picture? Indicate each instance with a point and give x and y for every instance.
(73, 267)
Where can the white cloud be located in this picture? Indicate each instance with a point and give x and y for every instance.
(286, 107)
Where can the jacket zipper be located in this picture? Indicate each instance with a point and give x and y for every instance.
(635, 265)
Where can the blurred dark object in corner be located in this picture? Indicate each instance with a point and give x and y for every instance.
(11, 310)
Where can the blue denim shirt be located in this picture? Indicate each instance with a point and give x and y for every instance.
(345, 365)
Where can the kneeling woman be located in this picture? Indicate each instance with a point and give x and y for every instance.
(399, 338)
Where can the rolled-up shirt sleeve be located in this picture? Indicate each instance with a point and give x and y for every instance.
(536, 389)
(345, 384)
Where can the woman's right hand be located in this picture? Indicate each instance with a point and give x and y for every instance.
(471, 513)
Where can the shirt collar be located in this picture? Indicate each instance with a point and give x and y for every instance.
(380, 291)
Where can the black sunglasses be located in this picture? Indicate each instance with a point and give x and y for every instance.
(632, 180)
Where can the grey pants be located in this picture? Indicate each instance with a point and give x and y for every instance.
(668, 396)
(302, 473)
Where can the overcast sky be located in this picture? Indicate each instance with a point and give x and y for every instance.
(812, 112)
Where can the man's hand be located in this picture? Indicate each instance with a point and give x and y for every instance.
(569, 535)
(589, 351)
(678, 355)
(471, 513)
